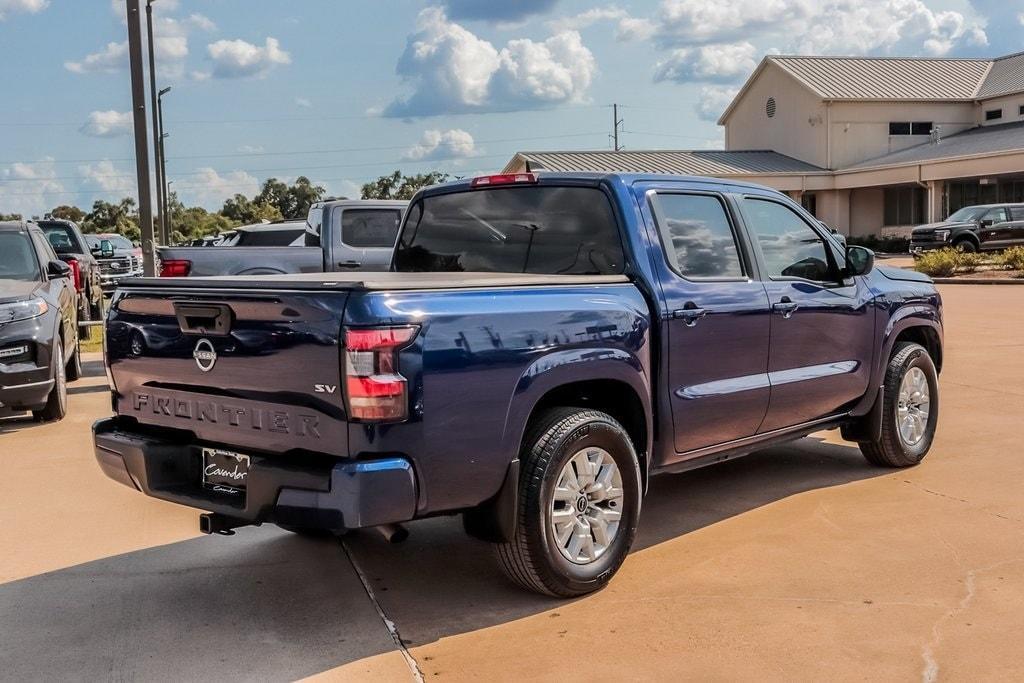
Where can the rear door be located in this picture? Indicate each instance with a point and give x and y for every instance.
(1015, 231)
(716, 319)
(257, 370)
(364, 239)
(822, 326)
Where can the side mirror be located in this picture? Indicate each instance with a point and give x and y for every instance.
(58, 269)
(106, 249)
(986, 222)
(859, 260)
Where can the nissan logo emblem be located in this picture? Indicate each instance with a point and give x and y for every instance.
(205, 355)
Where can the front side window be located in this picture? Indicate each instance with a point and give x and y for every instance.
(791, 248)
(17, 257)
(370, 228)
(545, 230)
(699, 239)
(996, 215)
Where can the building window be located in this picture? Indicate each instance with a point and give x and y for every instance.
(769, 107)
(993, 114)
(904, 206)
(1020, 110)
(910, 128)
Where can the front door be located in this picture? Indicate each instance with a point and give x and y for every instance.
(822, 324)
(716, 321)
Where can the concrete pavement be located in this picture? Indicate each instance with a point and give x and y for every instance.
(801, 562)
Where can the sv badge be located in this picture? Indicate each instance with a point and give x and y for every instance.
(325, 388)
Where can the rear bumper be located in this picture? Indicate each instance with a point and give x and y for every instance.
(304, 492)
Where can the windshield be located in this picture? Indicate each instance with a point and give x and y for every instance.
(17, 257)
(545, 230)
(968, 213)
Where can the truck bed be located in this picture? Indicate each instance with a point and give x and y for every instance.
(371, 281)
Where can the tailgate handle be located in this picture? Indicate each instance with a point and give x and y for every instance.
(209, 319)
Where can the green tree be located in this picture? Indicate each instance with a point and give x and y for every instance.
(398, 186)
(10, 217)
(122, 218)
(68, 213)
(293, 201)
(245, 211)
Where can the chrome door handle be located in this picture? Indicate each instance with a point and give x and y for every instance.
(690, 314)
(786, 306)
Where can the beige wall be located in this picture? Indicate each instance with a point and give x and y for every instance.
(1010, 104)
(866, 211)
(797, 129)
(834, 208)
(860, 130)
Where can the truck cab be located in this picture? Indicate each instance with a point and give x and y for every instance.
(360, 235)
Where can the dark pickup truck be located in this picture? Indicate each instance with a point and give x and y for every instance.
(986, 227)
(542, 347)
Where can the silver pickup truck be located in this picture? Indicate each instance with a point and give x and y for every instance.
(339, 235)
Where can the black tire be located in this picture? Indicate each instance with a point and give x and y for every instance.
(74, 365)
(96, 308)
(85, 315)
(57, 402)
(891, 450)
(965, 245)
(533, 558)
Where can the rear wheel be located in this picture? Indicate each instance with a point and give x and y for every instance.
(578, 507)
(85, 315)
(57, 403)
(910, 409)
(965, 245)
(96, 308)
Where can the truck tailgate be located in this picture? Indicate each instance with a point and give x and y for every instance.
(257, 370)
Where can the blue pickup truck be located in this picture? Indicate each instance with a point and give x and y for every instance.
(541, 347)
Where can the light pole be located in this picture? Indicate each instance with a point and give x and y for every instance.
(139, 130)
(162, 238)
(162, 164)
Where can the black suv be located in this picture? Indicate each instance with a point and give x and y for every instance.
(68, 241)
(985, 227)
(38, 324)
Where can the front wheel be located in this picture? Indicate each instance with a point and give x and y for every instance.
(578, 506)
(57, 403)
(910, 409)
(966, 246)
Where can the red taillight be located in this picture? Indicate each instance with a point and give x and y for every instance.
(175, 268)
(374, 388)
(503, 179)
(76, 273)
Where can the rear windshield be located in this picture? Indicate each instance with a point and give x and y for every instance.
(544, 230)
(62, 238)
(369, 228)
(17, 257)
(268, 238)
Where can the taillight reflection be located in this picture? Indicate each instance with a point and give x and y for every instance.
(374, 388)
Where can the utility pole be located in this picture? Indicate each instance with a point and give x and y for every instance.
(616, 124)
(156, 128)
(165, 186)
(141, 140)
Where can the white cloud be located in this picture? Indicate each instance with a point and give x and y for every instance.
(713, 100)
(239, 59)
(208, 188)
(250, 149)
(627, 27)
(723, 63)
(819, 26)
(25, 6)
(41, 191)
(303, 102)
(113, 57)
(107, 124)
(450, 144)
(104, 177)
(452, 70)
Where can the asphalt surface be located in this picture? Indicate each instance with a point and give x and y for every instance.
(797, 563)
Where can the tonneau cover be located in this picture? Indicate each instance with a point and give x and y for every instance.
(370, 281)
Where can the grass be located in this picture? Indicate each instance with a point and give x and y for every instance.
(95, 343)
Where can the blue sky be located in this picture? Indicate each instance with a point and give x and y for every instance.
(344, 91)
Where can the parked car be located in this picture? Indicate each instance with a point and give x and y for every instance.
(344, 234)
(117, 256)
(985, 227)
(71, 246)
(544, 345)
(38, 324)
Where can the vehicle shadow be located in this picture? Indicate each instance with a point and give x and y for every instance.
(266, 604)
(91, 369)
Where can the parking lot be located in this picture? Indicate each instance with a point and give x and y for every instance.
(797, 562)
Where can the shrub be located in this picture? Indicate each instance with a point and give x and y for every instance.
(881, 245)
(941, 263)
(968, 262)
(1013, 258)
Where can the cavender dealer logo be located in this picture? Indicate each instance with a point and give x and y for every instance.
(205, 355)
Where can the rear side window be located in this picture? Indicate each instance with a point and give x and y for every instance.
(370, 228)
(543, 230)
(698, 237)
(62, 239)
(791, 248)
(1017, 213)
(268, 238)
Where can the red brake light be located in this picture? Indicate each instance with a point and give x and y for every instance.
(503, 179)
(76, 273)
(374, 389)
(175, 268)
